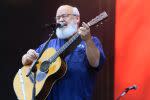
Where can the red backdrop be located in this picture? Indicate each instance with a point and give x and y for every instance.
(132, 48)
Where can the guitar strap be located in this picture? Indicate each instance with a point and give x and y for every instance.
(71, 48)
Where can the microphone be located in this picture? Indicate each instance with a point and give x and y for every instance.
(134, 87)
(55, 25)
(52, 27)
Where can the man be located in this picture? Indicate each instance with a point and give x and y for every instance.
(82, 62)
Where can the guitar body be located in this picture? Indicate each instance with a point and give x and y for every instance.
(23, 85)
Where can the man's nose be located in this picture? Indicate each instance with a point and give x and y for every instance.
(61, 19)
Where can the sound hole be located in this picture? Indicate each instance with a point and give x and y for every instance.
(44, 66)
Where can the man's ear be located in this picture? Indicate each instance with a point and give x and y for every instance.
(78, 19)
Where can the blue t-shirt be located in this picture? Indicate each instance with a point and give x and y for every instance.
(78, 82)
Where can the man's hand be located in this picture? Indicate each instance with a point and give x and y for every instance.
(84, 32)
(29, 57)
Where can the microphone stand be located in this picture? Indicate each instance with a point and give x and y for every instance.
(126, 91)
(122, 94)
(34, 68)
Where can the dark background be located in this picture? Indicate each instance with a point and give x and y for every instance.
(21, 24)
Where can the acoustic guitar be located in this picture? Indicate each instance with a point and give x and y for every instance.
(50, 68)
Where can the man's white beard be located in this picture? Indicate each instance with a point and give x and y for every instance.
(66, 32)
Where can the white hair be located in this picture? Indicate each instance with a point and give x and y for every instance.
(76, 11)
